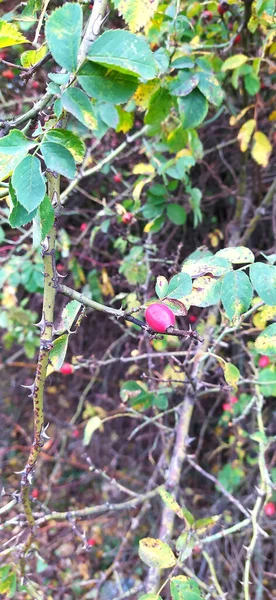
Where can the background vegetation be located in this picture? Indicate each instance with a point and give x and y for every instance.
(137, 165)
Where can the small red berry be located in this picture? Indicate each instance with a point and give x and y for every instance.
(83, 227)
(35, 493)
(75, 433)
(3, 54)
(197, 549)
(237, 39)
(222, 8)
(263, 361)
(127, 218)
(270, 509)
(67, 369)
(8, 73)
(35, 85)
(227, 407)
(159, 317)
(207, 15)
(117, 177)
(60, 267)
(91, 542)
(230, 26)
(192, 319)
(233, 399)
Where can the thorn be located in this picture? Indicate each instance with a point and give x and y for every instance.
(30, 387)
(44, 434)
(19, 472)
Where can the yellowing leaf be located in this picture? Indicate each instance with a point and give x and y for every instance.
(9, 35)
(261, 148)
(9, 296)
(235, 118)
(125, 120)
(264, 314)
(144, 93)
(31, 57)
(137, 190)
(234, 61)
(174, 375)
(215, 237)
(136, 14)
(245, 133)
(91, 426)
(272, 116)
(106, 286)
(143, 169)
(155, 553)
(231, 374)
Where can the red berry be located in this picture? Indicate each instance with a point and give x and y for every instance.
(8, 73)
(159, 317)
(222, 8)
(117, 177)
(67, 369)
(75, 433)
(263, 361)
(35, 85)
(83, 227)
(270, 509)
(35, 493)
(60, 267)
(230, 26)
(227, 407)
(192, 319)
(3, 54)
(207, 15)
(237, 39)
(197, 549)
(91, 542)
(233, 399)
(127, 218)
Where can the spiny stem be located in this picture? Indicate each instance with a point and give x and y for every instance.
(46, 328)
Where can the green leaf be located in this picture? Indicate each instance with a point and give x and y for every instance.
(43, 221)
(206, 292)
(238, 255)
(63, 35)
(180, 285)
(68, 316)
(19, 215)
(183, 62)
(231, 476)
(8, 586)
(201, 265)
(252, 83)
(68, 139)
(58, 158)
(177, 214)
(10, 36)
(13, 148)
(155, 553)
(125, 52)
(159, 108)
(91, 426)
(234, 61)
(161, 287)
(28, 183)
(184, 83)
(193, 109)
(58, 351)
(184, 588)
(106, 85)
(267, 378)
(31, 57)
(15, 143)
(236, 293)
(263, 279)
(77, 103)
(210, 87)
(266, 341)
(109, 114)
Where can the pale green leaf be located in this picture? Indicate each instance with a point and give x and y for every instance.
(234, 61)
(69, 140)
(106, 85)
(123, 51)
(238, 255)
(91, 426)
(31, 57)
(236, 293)
(63, 35)
(58, 352)
(28, 183)
(263, 279)
(58, 158)
(77, 103)
(10, 36)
